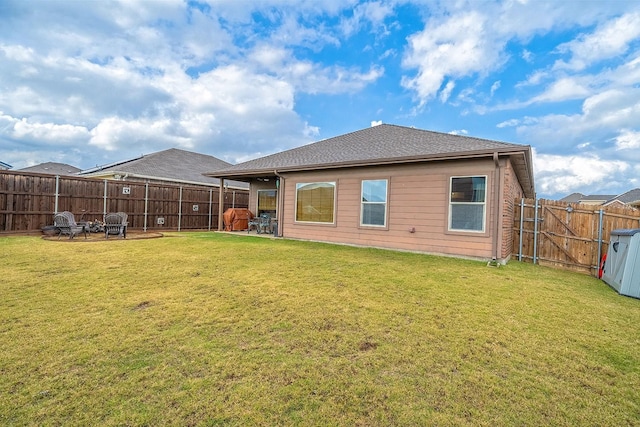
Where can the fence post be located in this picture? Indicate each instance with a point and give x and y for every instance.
(146, 204)
(599, 240)
(180, 209)
(104, 201)
(521, 227)
(535, 232)
(210, 207)
(57, 192)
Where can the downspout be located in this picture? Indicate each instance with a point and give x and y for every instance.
(498, 197)
(280, 206)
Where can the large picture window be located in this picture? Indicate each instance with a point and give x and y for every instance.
(467, 203)
(315, 202)
(374, 203)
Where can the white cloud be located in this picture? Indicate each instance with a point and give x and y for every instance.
(376, 123)
(455, 47)
(369, 13)
(562, 90)
(446, 92)
(534, 78)
(308, 77)
(609, 40)
(628, 140)
(558, 175)
(49, 132)
(114, 133)
(494, 87)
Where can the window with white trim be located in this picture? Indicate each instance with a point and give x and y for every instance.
(315, 202)
(467, 203)
(373, 210)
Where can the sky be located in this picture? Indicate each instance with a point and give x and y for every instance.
(90, 83)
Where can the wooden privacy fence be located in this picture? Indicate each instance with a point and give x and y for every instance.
(573, 236)
(29, 201)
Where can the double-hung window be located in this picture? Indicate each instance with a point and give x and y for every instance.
(467, 203)
(373, 210)
(315, 202)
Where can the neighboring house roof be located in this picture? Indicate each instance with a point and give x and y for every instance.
(5, 165)
(573, 198)
(631, 197)
(173, 165)
(52, 168)
(597, 198)
(385, 144)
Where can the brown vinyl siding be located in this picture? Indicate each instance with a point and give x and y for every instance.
(418, 200)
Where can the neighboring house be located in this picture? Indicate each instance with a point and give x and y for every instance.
(4, 166)
(52, 168)
(630, 198)
(594, 199)
(573, 198)
(168, 166)
(394, 187)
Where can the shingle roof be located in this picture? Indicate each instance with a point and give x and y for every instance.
(168, 165)
(572, 198)
(628, 197)
(52, 168)
(598, 197)
(383, 144)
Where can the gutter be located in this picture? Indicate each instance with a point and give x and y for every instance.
(157, 178)
(230, 173)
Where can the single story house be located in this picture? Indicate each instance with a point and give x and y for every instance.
(173, 166)
(5, 166)
(394, 187)
(629, 198)
(52, 168)
(591, 199)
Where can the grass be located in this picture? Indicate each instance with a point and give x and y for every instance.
(215, 329)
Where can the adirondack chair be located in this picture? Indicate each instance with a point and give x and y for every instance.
(66, 223)
(115, 223)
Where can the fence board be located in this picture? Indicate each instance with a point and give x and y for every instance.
(28, 202)
(568, 235)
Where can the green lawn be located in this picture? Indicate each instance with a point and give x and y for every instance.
(219, 329)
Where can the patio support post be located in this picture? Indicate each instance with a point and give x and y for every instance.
(221, 205)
